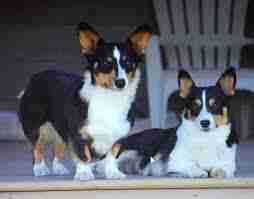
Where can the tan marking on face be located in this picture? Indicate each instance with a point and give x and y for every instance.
(185, 87)
(130, 76)
(222, 119)
(38, 152)
(227, 85)
(115, 149)
(140, 41)
(59, 150)
(105, 80)
(88, 42)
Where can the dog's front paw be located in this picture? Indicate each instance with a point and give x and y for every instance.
(198, 173)
(114, 173)
(218, 173)
(41, 169)
(176, 175)
(58, 168)
(83, 172)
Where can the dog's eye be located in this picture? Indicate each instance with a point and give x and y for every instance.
(212, 102)
(197, 102)
(124, 58)
(95, 64)
(109, 59)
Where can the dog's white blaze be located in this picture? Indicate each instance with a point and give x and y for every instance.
(121, 72)
(204, 101)
(204, 114)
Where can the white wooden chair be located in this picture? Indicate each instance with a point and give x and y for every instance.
(202, 36)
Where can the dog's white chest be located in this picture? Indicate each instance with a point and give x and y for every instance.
(201, 148)
(205, 150)
(107, 120)
(107, 113)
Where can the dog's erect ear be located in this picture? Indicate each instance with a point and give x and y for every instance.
(185, 83)
(139, 38)
(89, 39)
(227, 81)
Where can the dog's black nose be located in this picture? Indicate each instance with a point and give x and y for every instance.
(120, 83)
(205, 123)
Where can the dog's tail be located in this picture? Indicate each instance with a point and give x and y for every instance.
(21, 93)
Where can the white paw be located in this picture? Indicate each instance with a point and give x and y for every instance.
(58, 168)
(83, 172)
(41, 169)
(218, 173)
(114, 173)
(198, 173)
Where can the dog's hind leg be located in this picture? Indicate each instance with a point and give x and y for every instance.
(40, 167)
(58, 167)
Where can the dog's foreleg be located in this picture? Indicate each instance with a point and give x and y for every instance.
(108, 167)
(84, 168)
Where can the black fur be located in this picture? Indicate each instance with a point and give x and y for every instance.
(150, 142)
(53, 96)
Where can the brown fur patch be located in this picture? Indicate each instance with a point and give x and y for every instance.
(130, 76)
(59, 151)
(38, 152)
(140, 41)
(84, 135)
(222, 119)
(88, 156)
(115, 149)
(185, 87)
(88, 42)
(105, 80)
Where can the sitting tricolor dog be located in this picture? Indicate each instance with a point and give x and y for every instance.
(90, 112)
(203, 145)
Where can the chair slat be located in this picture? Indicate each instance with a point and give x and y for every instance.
(239, 16)
(172, 58)
(222, 57)
(209, 57)
(235, 56)
(224, 17)
(161, 10)
(196, 53)
(208, 16)
(193, 16)
(184, 56)
(178, 17)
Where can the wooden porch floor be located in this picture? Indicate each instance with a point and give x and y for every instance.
(16, 176)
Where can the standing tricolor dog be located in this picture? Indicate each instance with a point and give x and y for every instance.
(90, 112)
(203, 145)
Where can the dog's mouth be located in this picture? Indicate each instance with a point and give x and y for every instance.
(206, 129)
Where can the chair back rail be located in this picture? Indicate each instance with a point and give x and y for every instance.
(202, 34)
